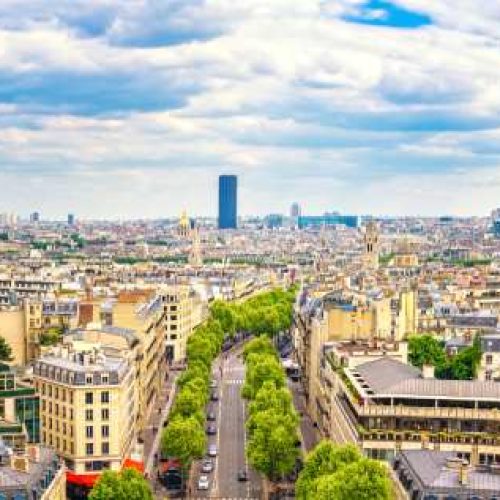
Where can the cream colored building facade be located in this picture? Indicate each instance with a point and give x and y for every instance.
(89, 405)
(184, 310)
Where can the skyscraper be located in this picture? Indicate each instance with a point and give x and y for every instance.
(71, 219)
(228, 218)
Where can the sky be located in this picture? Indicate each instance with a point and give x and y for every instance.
(132, 108)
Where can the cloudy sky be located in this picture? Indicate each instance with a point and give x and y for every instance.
(132, 108)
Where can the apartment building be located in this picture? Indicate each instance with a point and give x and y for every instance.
(385, 406)
(16, 288)
(142, 311)
(489, 367)
(26, 324)
(338, 316)
(89, 402)
(184, 309)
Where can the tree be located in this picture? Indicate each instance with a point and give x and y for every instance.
(184, 439)
(259, 345)
(224, 313)
(189, 404)
(262, 368)
(125, 485)
(269, 397)
(5, 350)
(425, 349)
(272, 446)
(365, 479)
(325, 459)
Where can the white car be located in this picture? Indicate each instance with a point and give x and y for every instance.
(212, 450)
(207, 465)
(203, 483)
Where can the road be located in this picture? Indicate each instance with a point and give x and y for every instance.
(231, 437)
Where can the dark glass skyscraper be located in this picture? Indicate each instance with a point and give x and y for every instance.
(228, 201)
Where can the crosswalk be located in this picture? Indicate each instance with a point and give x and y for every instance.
(234, 382)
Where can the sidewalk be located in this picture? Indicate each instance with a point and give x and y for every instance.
(307, 429)
(152, 432)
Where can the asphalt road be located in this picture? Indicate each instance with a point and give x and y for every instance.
(230, 439)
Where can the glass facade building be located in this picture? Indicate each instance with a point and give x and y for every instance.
(328, 220)
(228, 200)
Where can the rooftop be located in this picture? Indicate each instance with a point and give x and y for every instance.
(389, 377)
(431, 469)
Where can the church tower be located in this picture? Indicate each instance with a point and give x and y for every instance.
(195, 258)
(371, 245)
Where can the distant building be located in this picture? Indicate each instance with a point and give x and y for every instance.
(228, 202)
(273, 221)
(35, 217)
(327, 220)
(295, 210)
(71, 219)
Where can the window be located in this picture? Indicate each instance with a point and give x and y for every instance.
(105, 414)
(489, 359)
(105, 431)
(173, 317)
(71, 413)
(56, 392)
(105, 397)
(173, 327)
(89, 431)
(105, 448)
(89, 448)
(89, 415)
(89, 398)
(173, 336)
(105, 379)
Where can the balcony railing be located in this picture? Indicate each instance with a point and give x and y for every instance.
(374, 410)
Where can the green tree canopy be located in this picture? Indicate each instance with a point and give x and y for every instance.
(184, 439)
(125, 485)
(272, 446)
(364, 479)
(5, 350)
(425, 349)
(325, 459)
(259, 345)
(262, 368)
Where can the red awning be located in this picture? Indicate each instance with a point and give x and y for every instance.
(87, 480)
(133, 464)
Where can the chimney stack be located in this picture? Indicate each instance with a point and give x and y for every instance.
(428, 371)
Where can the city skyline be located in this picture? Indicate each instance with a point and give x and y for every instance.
(384, 107)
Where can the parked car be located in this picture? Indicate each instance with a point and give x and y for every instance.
(212, 450)
(203, 483)
(242, 475)
(211, 416)
(213, 384)
(214, 396)
(211, 430)
(207, 465)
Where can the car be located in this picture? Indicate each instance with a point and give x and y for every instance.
(214, 396)
(211, 430)
(211, 416)
(207, 465)
(212, 450)
(203, 483)
(213, 384)
(242, 475)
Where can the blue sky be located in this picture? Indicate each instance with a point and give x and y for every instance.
(132, 109)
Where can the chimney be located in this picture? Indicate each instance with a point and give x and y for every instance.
(428, 371)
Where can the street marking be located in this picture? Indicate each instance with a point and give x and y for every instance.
(233, 382)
